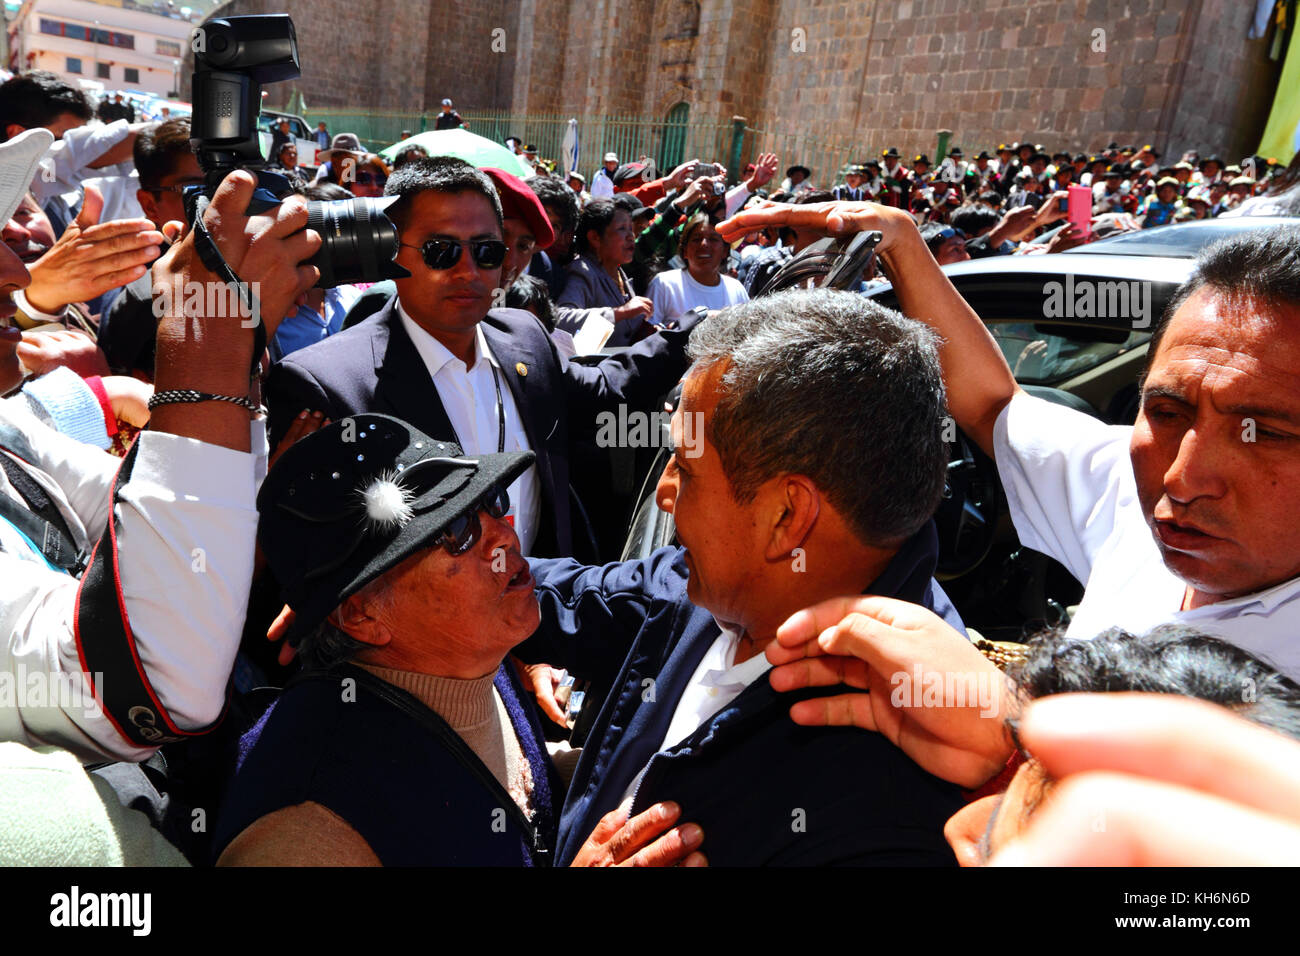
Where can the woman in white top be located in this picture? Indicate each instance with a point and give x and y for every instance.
(677, 291)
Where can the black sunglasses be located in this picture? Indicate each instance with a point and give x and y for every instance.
(463, 533)
(445, 253)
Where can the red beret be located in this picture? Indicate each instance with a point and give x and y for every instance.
(520, 202)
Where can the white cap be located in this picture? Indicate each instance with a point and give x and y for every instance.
(446, 102)
(19, 160)
(611, 157)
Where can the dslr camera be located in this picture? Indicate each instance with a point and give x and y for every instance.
(233, 57)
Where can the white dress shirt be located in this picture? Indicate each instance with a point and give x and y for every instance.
(717, 681)
(1072, 495)
(186, 607)
(469, 397)
(67, 163)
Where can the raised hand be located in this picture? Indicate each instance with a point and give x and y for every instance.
(91, 257)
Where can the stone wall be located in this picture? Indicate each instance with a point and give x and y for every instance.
(859, 74)
(397, 54)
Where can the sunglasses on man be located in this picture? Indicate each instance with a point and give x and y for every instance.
(464, 532)
(445, 253)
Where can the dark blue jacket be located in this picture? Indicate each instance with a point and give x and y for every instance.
(414, 799)
(765, 790)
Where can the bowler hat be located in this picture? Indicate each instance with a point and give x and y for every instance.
(347, 503)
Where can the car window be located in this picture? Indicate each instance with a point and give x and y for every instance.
(1182, 241)
(1042, 354)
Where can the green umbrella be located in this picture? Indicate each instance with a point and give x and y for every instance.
(461, 143)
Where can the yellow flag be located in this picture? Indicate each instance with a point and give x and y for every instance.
(1282, 134)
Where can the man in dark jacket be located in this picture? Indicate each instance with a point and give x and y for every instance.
(492, 381)
(808, 459)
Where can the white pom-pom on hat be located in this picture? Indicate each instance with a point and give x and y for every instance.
(388, 504)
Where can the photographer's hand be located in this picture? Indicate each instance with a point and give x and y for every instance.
(212, 353)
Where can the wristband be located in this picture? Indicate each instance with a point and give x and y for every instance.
(96, 385)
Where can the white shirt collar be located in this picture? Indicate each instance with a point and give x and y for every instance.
(1267, 600)
(435, 354)
(724, 672)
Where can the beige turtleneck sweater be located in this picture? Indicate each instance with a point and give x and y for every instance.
(473, 709)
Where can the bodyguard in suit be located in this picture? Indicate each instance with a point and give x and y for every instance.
(438, 356)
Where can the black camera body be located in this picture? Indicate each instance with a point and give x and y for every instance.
(233, 57)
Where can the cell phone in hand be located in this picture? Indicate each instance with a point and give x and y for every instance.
(1080, 209)
(702, 169)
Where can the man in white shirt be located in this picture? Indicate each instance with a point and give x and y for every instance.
(100, 154)
(1189, 515)
(602, 184)
(139, 650)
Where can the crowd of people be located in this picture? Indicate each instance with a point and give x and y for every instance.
(361, 496)
(1122, 179)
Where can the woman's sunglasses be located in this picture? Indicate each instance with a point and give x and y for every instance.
(444, 253)
(371, 179)
(463, 533)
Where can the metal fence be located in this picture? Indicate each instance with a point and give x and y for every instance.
(668, 143)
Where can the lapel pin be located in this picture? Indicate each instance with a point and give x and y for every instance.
(521, 368)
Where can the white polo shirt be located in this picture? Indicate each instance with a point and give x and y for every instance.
(469, 396)
(1072, 495)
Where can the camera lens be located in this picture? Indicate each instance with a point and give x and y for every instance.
(358, 241)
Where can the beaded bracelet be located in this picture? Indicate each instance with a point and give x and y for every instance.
(182, 395)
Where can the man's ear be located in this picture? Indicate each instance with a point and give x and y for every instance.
(355, 618)
(795, 506)
(13, 129)
(149, 205)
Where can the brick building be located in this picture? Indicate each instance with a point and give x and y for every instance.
(870, 73)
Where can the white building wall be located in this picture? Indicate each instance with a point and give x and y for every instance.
(155, 62)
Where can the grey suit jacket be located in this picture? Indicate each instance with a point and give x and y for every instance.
(590, 287)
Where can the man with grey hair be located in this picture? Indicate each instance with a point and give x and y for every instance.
(807, 461)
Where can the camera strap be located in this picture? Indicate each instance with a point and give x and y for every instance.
(216, 263)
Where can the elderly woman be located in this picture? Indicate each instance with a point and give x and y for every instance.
(406, 740)
(701, 283)
(605, 242)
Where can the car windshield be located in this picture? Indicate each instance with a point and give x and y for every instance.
(1046, 354)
